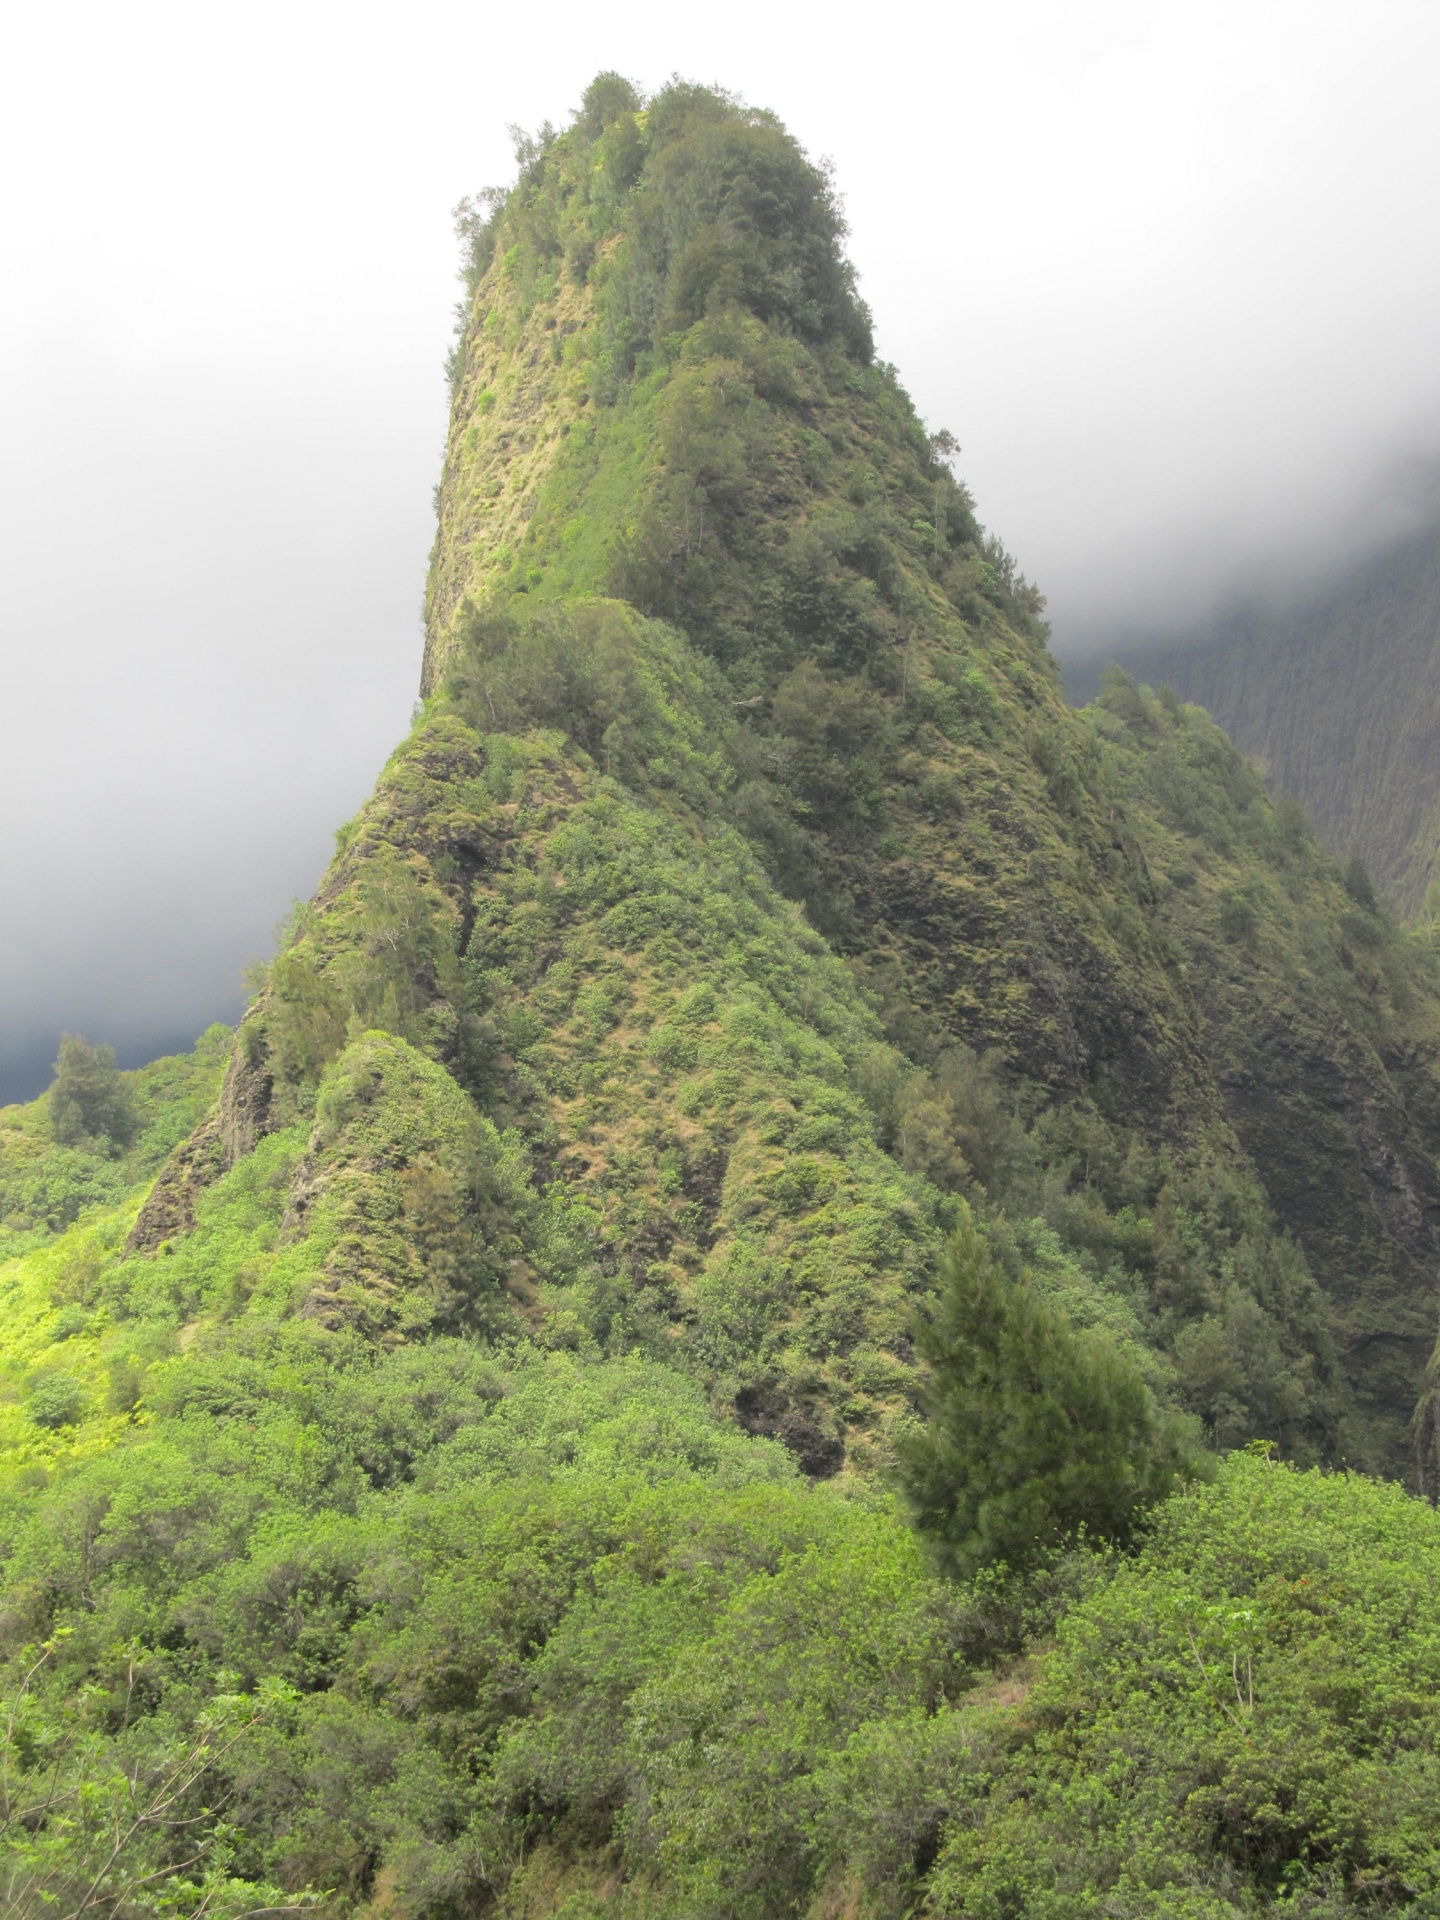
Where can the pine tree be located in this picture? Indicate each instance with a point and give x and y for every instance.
(1035, 1430)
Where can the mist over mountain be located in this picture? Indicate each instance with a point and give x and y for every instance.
(1335, 696)
(227, 690)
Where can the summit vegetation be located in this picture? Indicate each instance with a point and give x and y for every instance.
(807, 1288)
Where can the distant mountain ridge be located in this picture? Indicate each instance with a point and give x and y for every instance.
(1337, 701)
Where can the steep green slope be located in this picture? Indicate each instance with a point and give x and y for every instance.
(664, 392)
(1337, 700)
(495, 1513)
(1319, 1016)
(70, 1377)
(665, 398)
(697, 544)
(668, 1049)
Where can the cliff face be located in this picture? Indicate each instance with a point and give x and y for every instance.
(1337, 700)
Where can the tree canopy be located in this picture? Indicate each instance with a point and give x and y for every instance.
(88, 1099)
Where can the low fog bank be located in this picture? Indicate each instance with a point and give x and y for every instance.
(211, 643)
(1197, 363)
(1183, 594)
(1308, 578)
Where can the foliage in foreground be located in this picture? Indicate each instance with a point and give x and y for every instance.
(470, 1628)
(122, 1822)
(469, 1625)
(1245, 1719)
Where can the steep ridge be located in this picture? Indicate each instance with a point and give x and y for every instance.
(1337, 700)
(473, 1473)
(666, 408)
(692, 535)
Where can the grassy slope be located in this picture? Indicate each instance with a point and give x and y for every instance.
(66, 1212)
(673, 1052)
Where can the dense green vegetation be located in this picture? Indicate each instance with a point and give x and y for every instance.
(69, 1375)
(496, 1624)
(1242, 1719)
(97, 1134)
(996, 869)
(765, 1313)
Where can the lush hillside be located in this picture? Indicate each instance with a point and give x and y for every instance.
(1337, 700)
(71, 1377)
(519, 1451)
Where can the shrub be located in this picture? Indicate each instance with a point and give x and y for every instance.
(70, 1321)
(56, 1401)
(1241, 1720)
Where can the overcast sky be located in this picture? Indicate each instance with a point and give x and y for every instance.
(1169, 271)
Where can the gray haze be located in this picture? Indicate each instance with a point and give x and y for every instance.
(1167, 270)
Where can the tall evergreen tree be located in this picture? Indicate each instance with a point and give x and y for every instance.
(1035, 1430)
